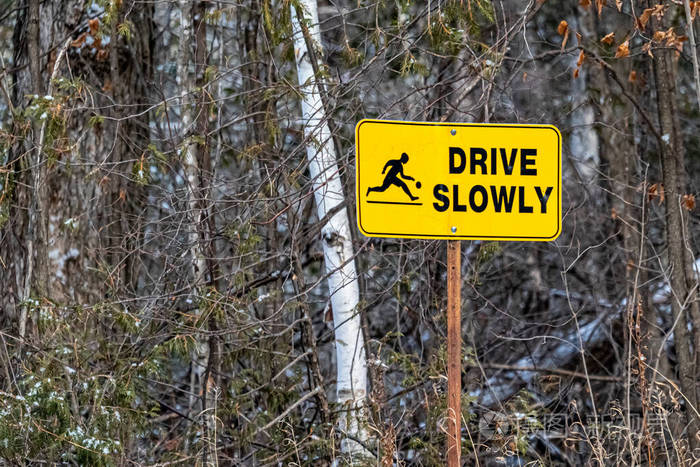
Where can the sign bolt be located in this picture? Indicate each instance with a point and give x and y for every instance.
(453, 132)
(454, 229)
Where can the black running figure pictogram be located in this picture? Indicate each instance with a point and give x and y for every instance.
(395, 167)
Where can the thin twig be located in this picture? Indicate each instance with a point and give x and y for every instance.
(287, 411)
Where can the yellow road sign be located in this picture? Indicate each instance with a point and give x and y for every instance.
(458, 180)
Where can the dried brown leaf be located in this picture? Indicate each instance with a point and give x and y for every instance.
(656, 191)
(618, 3)
(79, 41)
(688, 202)
(581, 58)
(652, 192)
(576, 72)
(608, 39)
(644, 18)
(94, 25)
(632, 78)
(563, 28)
(659, 11)
(672, 39)
(623, 50)
(584, 3)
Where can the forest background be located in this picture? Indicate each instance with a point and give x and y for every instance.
(179, 258)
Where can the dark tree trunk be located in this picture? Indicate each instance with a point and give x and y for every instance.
(684, 307)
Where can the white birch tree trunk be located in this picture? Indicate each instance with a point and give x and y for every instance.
(185, 82)
(583, 142)
(185, 86)
(337, 240)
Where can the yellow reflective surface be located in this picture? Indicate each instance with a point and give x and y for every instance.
(458, 180)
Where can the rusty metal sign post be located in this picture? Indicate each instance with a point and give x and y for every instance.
(454, 352)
